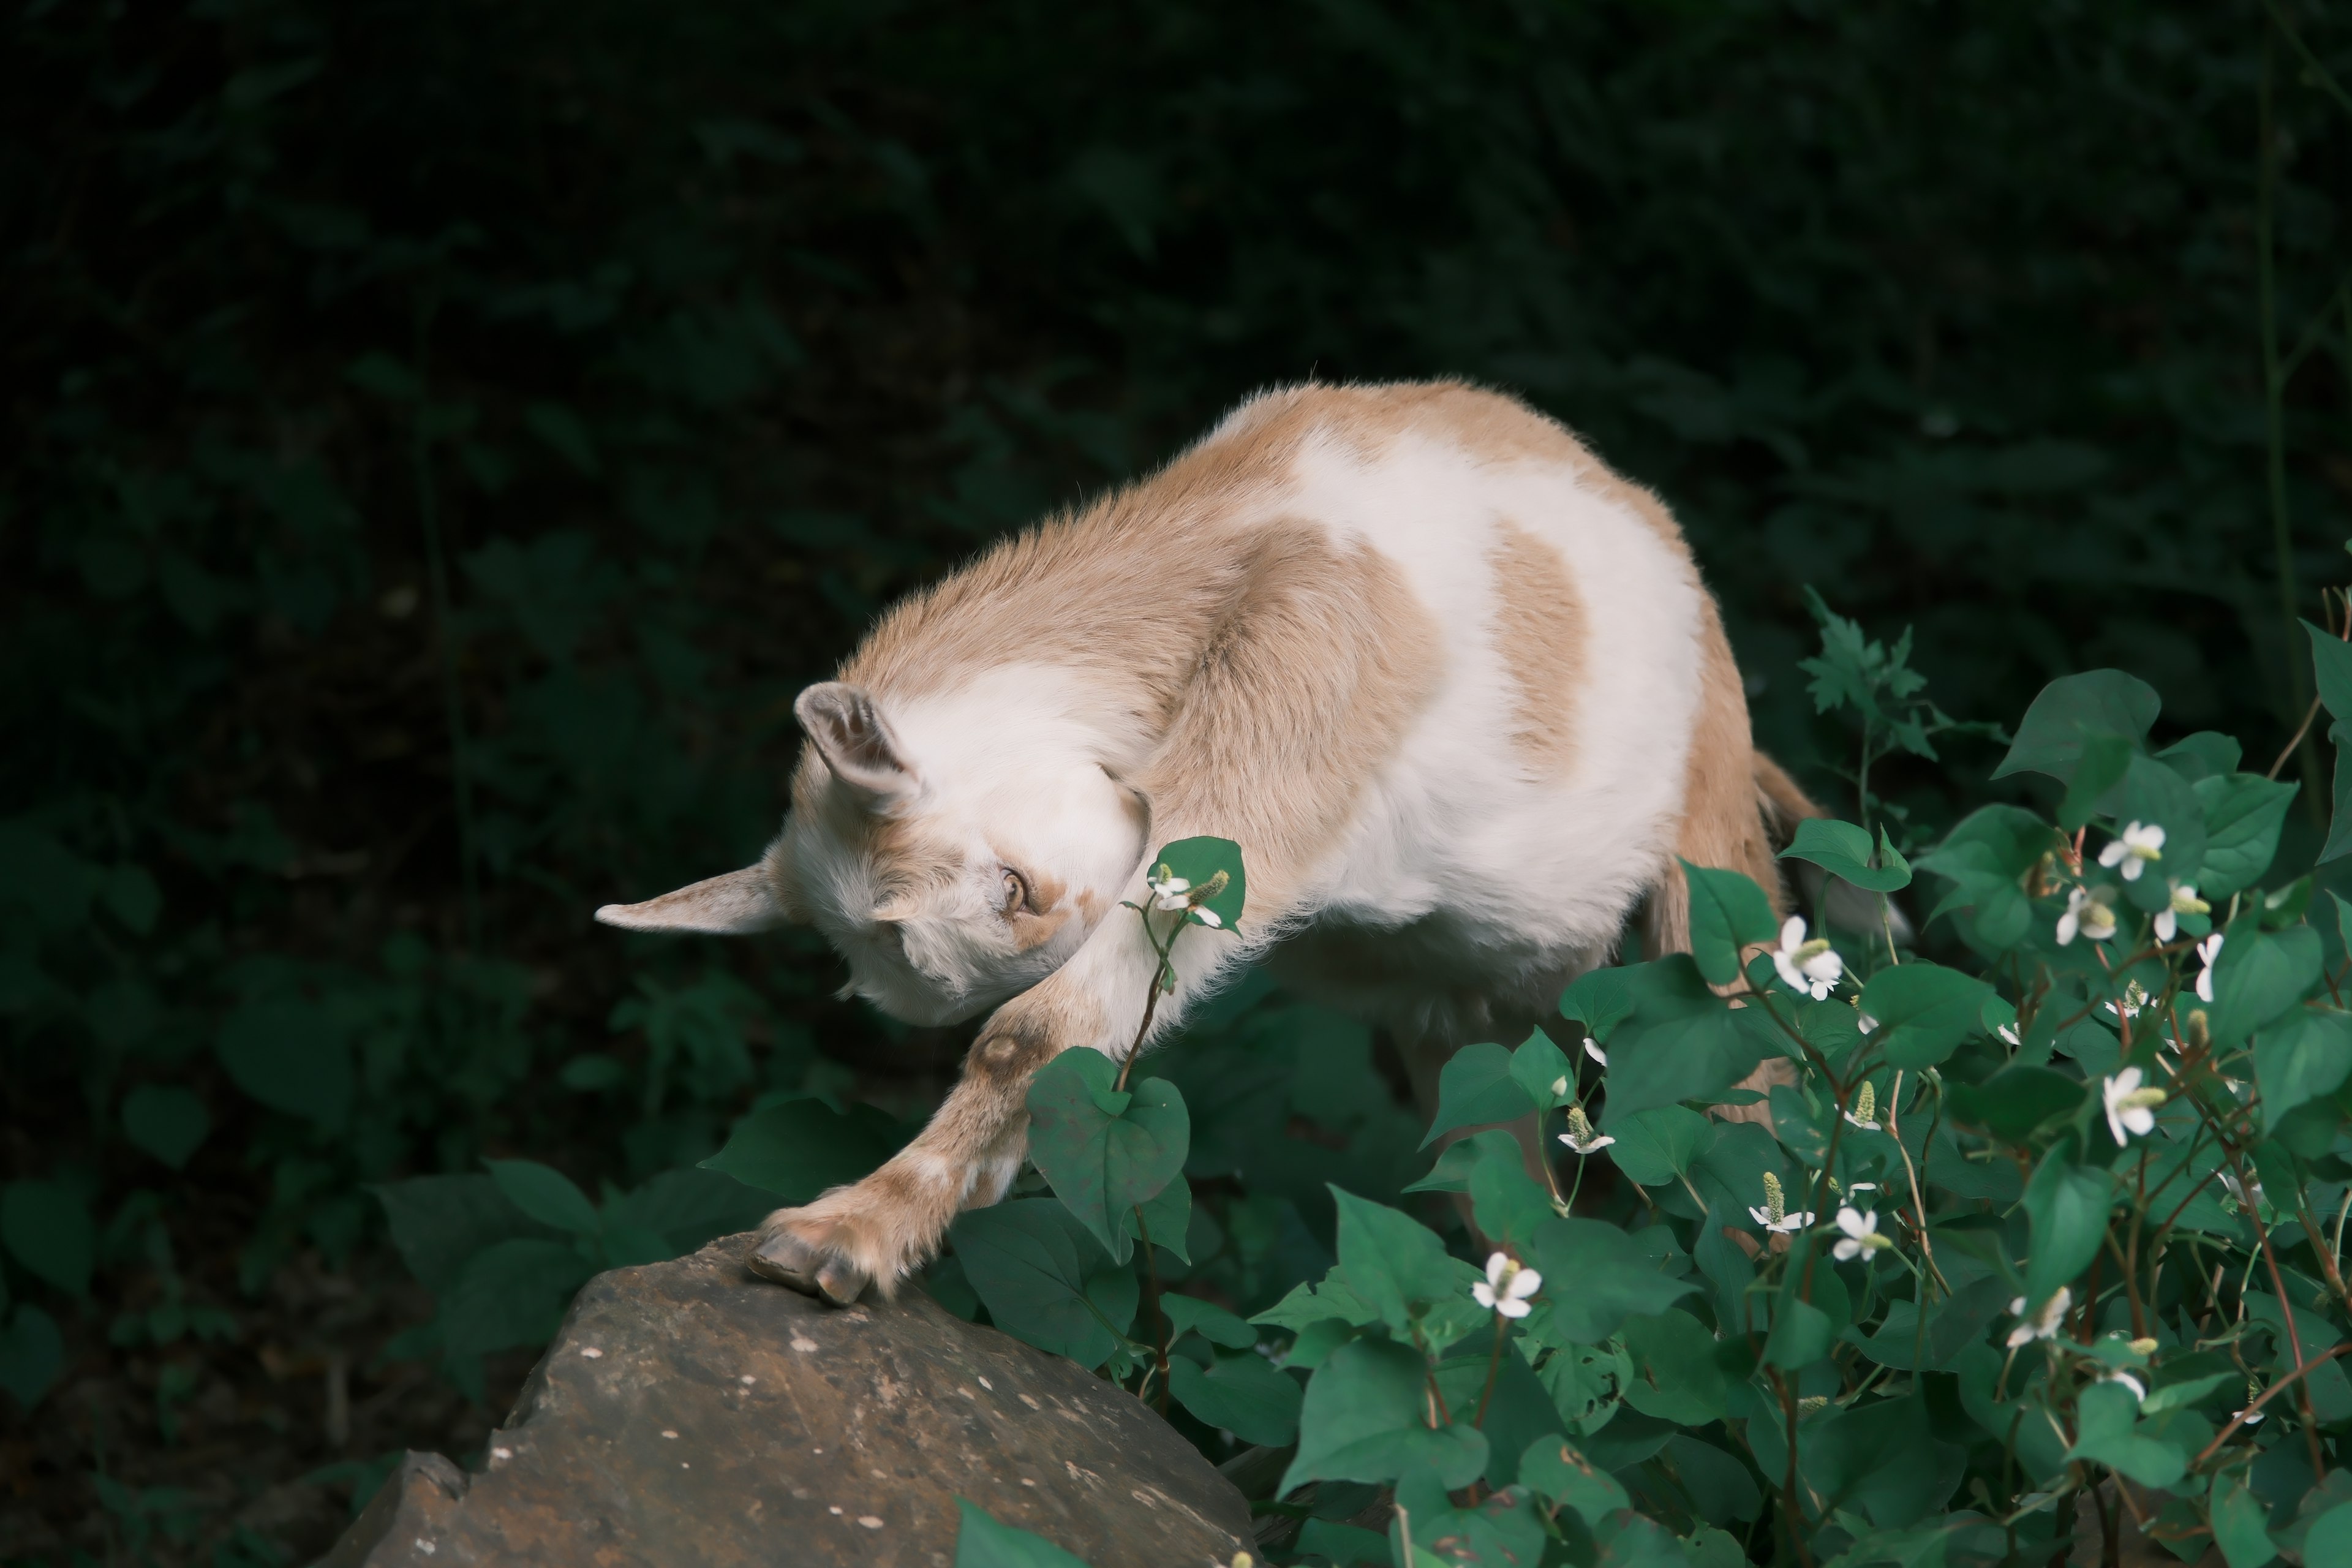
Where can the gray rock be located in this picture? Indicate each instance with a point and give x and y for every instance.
(689, 1415)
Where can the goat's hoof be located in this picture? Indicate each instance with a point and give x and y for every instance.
(812, 1270)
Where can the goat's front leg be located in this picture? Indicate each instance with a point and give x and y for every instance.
(883, 1228)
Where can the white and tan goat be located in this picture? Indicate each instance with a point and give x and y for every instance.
(1453, 686)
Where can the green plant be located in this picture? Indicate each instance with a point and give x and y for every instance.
(2059, 1221)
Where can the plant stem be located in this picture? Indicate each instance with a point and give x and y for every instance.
(2286, 1309)
(1494, 1368)
(1159, 1324)
(1151, 997)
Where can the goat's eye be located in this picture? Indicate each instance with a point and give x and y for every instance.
(1016, 892)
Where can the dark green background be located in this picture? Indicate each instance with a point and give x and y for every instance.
(441, 438)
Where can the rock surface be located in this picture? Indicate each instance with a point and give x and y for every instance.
(689, 1415)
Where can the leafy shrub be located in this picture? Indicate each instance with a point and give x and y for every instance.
(2055, 1227)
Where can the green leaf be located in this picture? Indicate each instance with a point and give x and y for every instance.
(2304, 1056)
(1596, 1277)
(1655, 1146)
(1727, 912)
(1045, 1279)
(1365, 1419)
(1600, 999)
(1557, 1471)
(686, 1209)
(32, 1355)
(1843, 850)
(440, 1222)
(1103, 1162)
(2096, 702)
(1719, 1486)
(982, 1542)
(1802, 1334)
(2107, 760)
(1392, 1261)
(510, 1293)
(2244, 813)
(2153, 792)
(1241, 1394)
(2067, 1204)
(1189, 1315)
(2339, 822)
(1169, 1214)
(2108, 1432)
(1690, 1057)
(800, 1147)
(1198, 861)
(292, 1055)
(1476, 1086)
(2327, 1543)
(170, 1123)
(1676, 1376)
(2206, 754)
(1543, 1069)
(1507, 1203)
(2259, 975)
(47, 1227)
(546, 1195)
(1924, 1012)
(1450, 1174)
(2016, 1101)
(2240, 1524)
(2331, 662)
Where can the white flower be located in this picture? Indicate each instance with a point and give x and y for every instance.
(2135, 998)
(1171, 891)
(1580, 1136)
(2086, 911)
(2253, 1392)
(2208, 954)
(1592, 1048)
(2185, 901)
(1813, 967)
(2237, 1193)
(1774, 1213)
(2008, 1034)
(2129, 1107)
(1864, 1113)
(2139, 1389)
(1864, 1022)
(1560, 1088)
(1860, 1235)
(2045, 1323)
(2141, 843)
(1507, 1286)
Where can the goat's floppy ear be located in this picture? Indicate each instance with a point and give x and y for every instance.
(850, 733)
(736, 904)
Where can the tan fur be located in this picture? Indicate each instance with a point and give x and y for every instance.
(1539, 629)
(889, 1223)
(1268, 672)
(1276, 734)
(1266, 737)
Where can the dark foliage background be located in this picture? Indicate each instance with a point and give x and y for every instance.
(440, 440)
